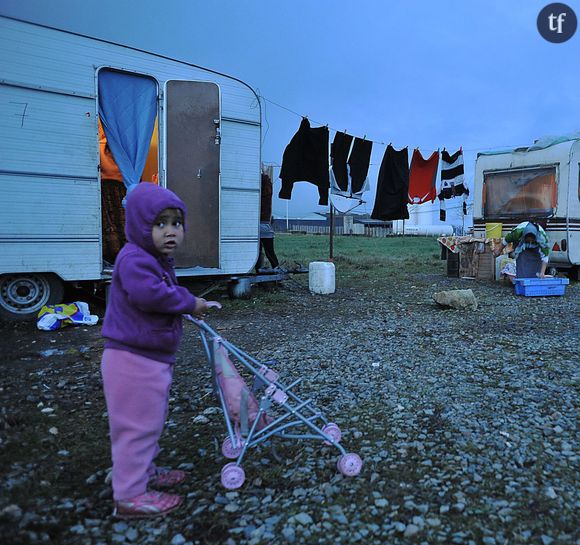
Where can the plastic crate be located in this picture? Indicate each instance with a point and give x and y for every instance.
(541, 287)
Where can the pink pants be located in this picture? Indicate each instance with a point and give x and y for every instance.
(137, 395)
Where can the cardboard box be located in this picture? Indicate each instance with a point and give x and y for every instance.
(476, 260)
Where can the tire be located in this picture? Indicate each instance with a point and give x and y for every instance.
(23, 295)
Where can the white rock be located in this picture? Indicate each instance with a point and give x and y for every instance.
(411, 530)
(303, 518)
(459, 299)
(551, 493)
(11, 511)
(178, 539)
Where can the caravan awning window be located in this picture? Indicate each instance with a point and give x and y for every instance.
(530, 192)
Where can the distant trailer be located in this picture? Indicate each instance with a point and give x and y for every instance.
(61, 220)
(538, 183)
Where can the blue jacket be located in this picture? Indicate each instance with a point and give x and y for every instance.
(145, 302)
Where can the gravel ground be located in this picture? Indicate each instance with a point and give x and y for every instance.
(466, 422)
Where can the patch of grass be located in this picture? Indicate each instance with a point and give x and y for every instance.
(363, 258)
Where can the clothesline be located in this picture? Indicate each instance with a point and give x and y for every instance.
(314, 121)
(415, 208)
(262, 97)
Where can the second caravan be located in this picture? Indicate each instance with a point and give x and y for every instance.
(539, 183)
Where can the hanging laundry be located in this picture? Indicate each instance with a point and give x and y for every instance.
(392, 186)
(422, 178)
(359, 162)
(306, 159)
(452, 180)
(339, 169)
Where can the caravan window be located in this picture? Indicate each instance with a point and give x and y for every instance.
(530, 192)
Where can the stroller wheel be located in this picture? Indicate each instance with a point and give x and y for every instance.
(233, 476)
(350, 464)
(333, 431)
(228, 449)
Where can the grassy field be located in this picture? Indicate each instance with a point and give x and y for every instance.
(363, 258)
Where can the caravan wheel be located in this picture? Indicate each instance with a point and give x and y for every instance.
(23, 295)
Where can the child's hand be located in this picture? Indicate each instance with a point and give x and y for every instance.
(201, 306)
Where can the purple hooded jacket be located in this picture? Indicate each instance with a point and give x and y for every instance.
(145, 303)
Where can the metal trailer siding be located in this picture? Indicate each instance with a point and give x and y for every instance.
(574, 204)
(554, 155)
(48, 139)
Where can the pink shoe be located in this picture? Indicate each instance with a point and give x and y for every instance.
(149, 504)
(166, 478)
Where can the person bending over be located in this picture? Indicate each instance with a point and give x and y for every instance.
(531, 249)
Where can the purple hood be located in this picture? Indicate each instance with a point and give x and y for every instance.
(144, 203)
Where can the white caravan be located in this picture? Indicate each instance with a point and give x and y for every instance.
(202, 139)
(540, 182)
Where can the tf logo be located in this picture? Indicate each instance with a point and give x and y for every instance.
(557, 23)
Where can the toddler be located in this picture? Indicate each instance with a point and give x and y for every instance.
(143, 328)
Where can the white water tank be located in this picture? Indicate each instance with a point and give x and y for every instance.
(426, 230)
(321, 277)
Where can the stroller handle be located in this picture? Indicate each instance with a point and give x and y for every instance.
(199, 322)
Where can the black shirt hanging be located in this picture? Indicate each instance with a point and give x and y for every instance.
(392, 186)
(306, 159)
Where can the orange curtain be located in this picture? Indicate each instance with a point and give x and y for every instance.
(109, 169)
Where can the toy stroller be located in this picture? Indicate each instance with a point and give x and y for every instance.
(247, 421)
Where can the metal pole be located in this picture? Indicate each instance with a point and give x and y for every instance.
(331, 257)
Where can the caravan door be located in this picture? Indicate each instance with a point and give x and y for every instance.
(192, 121)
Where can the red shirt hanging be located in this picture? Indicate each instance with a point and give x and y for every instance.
(422, 177)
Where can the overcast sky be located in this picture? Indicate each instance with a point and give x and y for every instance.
(417, 73)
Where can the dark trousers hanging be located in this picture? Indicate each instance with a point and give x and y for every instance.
(359, 162)
(339, 153)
